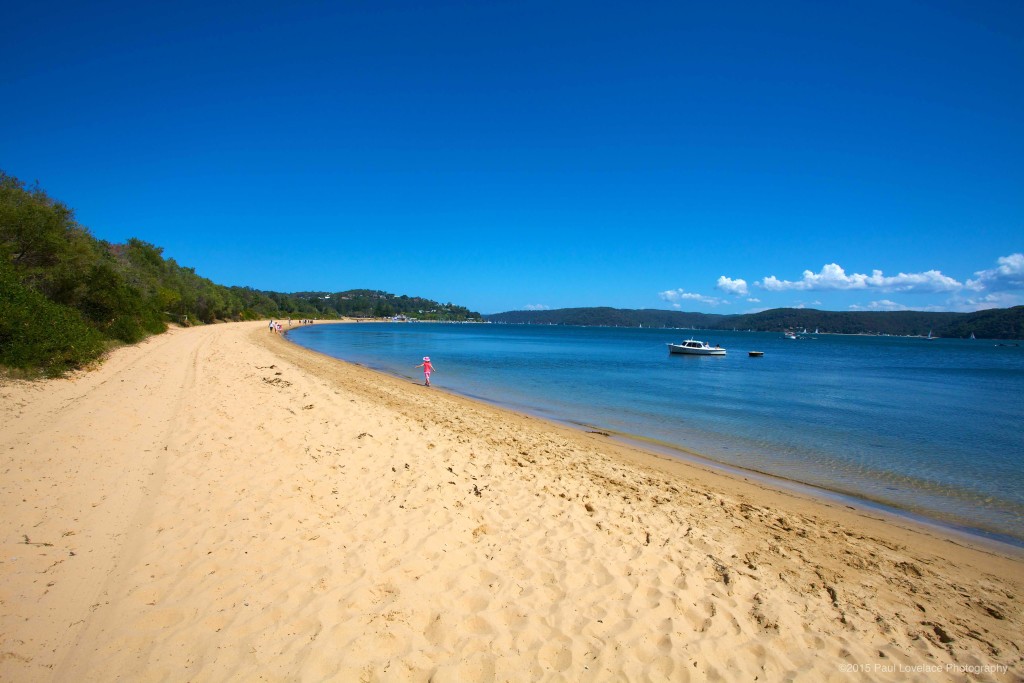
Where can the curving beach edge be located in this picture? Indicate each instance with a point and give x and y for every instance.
(217, 503)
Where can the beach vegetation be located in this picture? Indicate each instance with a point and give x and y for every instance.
(40, 336)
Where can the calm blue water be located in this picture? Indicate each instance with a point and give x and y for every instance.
(932, 427)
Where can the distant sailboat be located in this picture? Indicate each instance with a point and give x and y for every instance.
(972, 336)
(930, 337)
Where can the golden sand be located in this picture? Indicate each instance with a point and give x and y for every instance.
(219, 504)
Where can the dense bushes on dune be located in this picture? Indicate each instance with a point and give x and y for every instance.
(38, 334)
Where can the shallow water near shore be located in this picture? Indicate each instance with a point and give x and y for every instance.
(931, 427)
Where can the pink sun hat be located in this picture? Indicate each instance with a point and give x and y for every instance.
(426, 358)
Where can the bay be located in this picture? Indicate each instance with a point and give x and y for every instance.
(928, 427)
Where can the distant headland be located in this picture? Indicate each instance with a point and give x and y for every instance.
(995, 323)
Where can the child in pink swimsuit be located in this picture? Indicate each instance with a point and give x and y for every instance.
(427, 369)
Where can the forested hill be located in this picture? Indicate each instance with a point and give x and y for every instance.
(368, 303)
(996, 323)
(65, 295)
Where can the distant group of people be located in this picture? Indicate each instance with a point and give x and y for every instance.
(276, 327)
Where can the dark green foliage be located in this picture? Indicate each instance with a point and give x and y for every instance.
(65, 294)
(995, 323)
(36, 333)
(34, 226)
(999, 323)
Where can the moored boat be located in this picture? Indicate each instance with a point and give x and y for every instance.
(696, 348)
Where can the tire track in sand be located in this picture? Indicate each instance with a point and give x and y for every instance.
(85, 463)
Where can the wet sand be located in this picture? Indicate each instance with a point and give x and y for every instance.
(219, 504)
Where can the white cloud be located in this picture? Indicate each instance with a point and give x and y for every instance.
(677, 296)
(832, 276)
(980, 303)
(737, 287)
(881, 305)
(1008, 275)
(754, 300)
(956, 303)
(536, 307)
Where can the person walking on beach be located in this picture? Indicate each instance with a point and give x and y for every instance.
(427, 369)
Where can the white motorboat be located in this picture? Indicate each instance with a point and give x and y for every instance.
(696, 348)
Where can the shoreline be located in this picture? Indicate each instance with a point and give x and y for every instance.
(995, 541)
(1002, 544)
(221, 503)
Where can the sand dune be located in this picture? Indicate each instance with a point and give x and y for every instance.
(218, 504)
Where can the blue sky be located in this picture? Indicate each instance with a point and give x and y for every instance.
(706, 156)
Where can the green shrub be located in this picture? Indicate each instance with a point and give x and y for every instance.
(37, 333)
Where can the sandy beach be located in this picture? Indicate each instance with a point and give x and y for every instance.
(217, 503)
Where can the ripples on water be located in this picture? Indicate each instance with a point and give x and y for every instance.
(930, 427)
